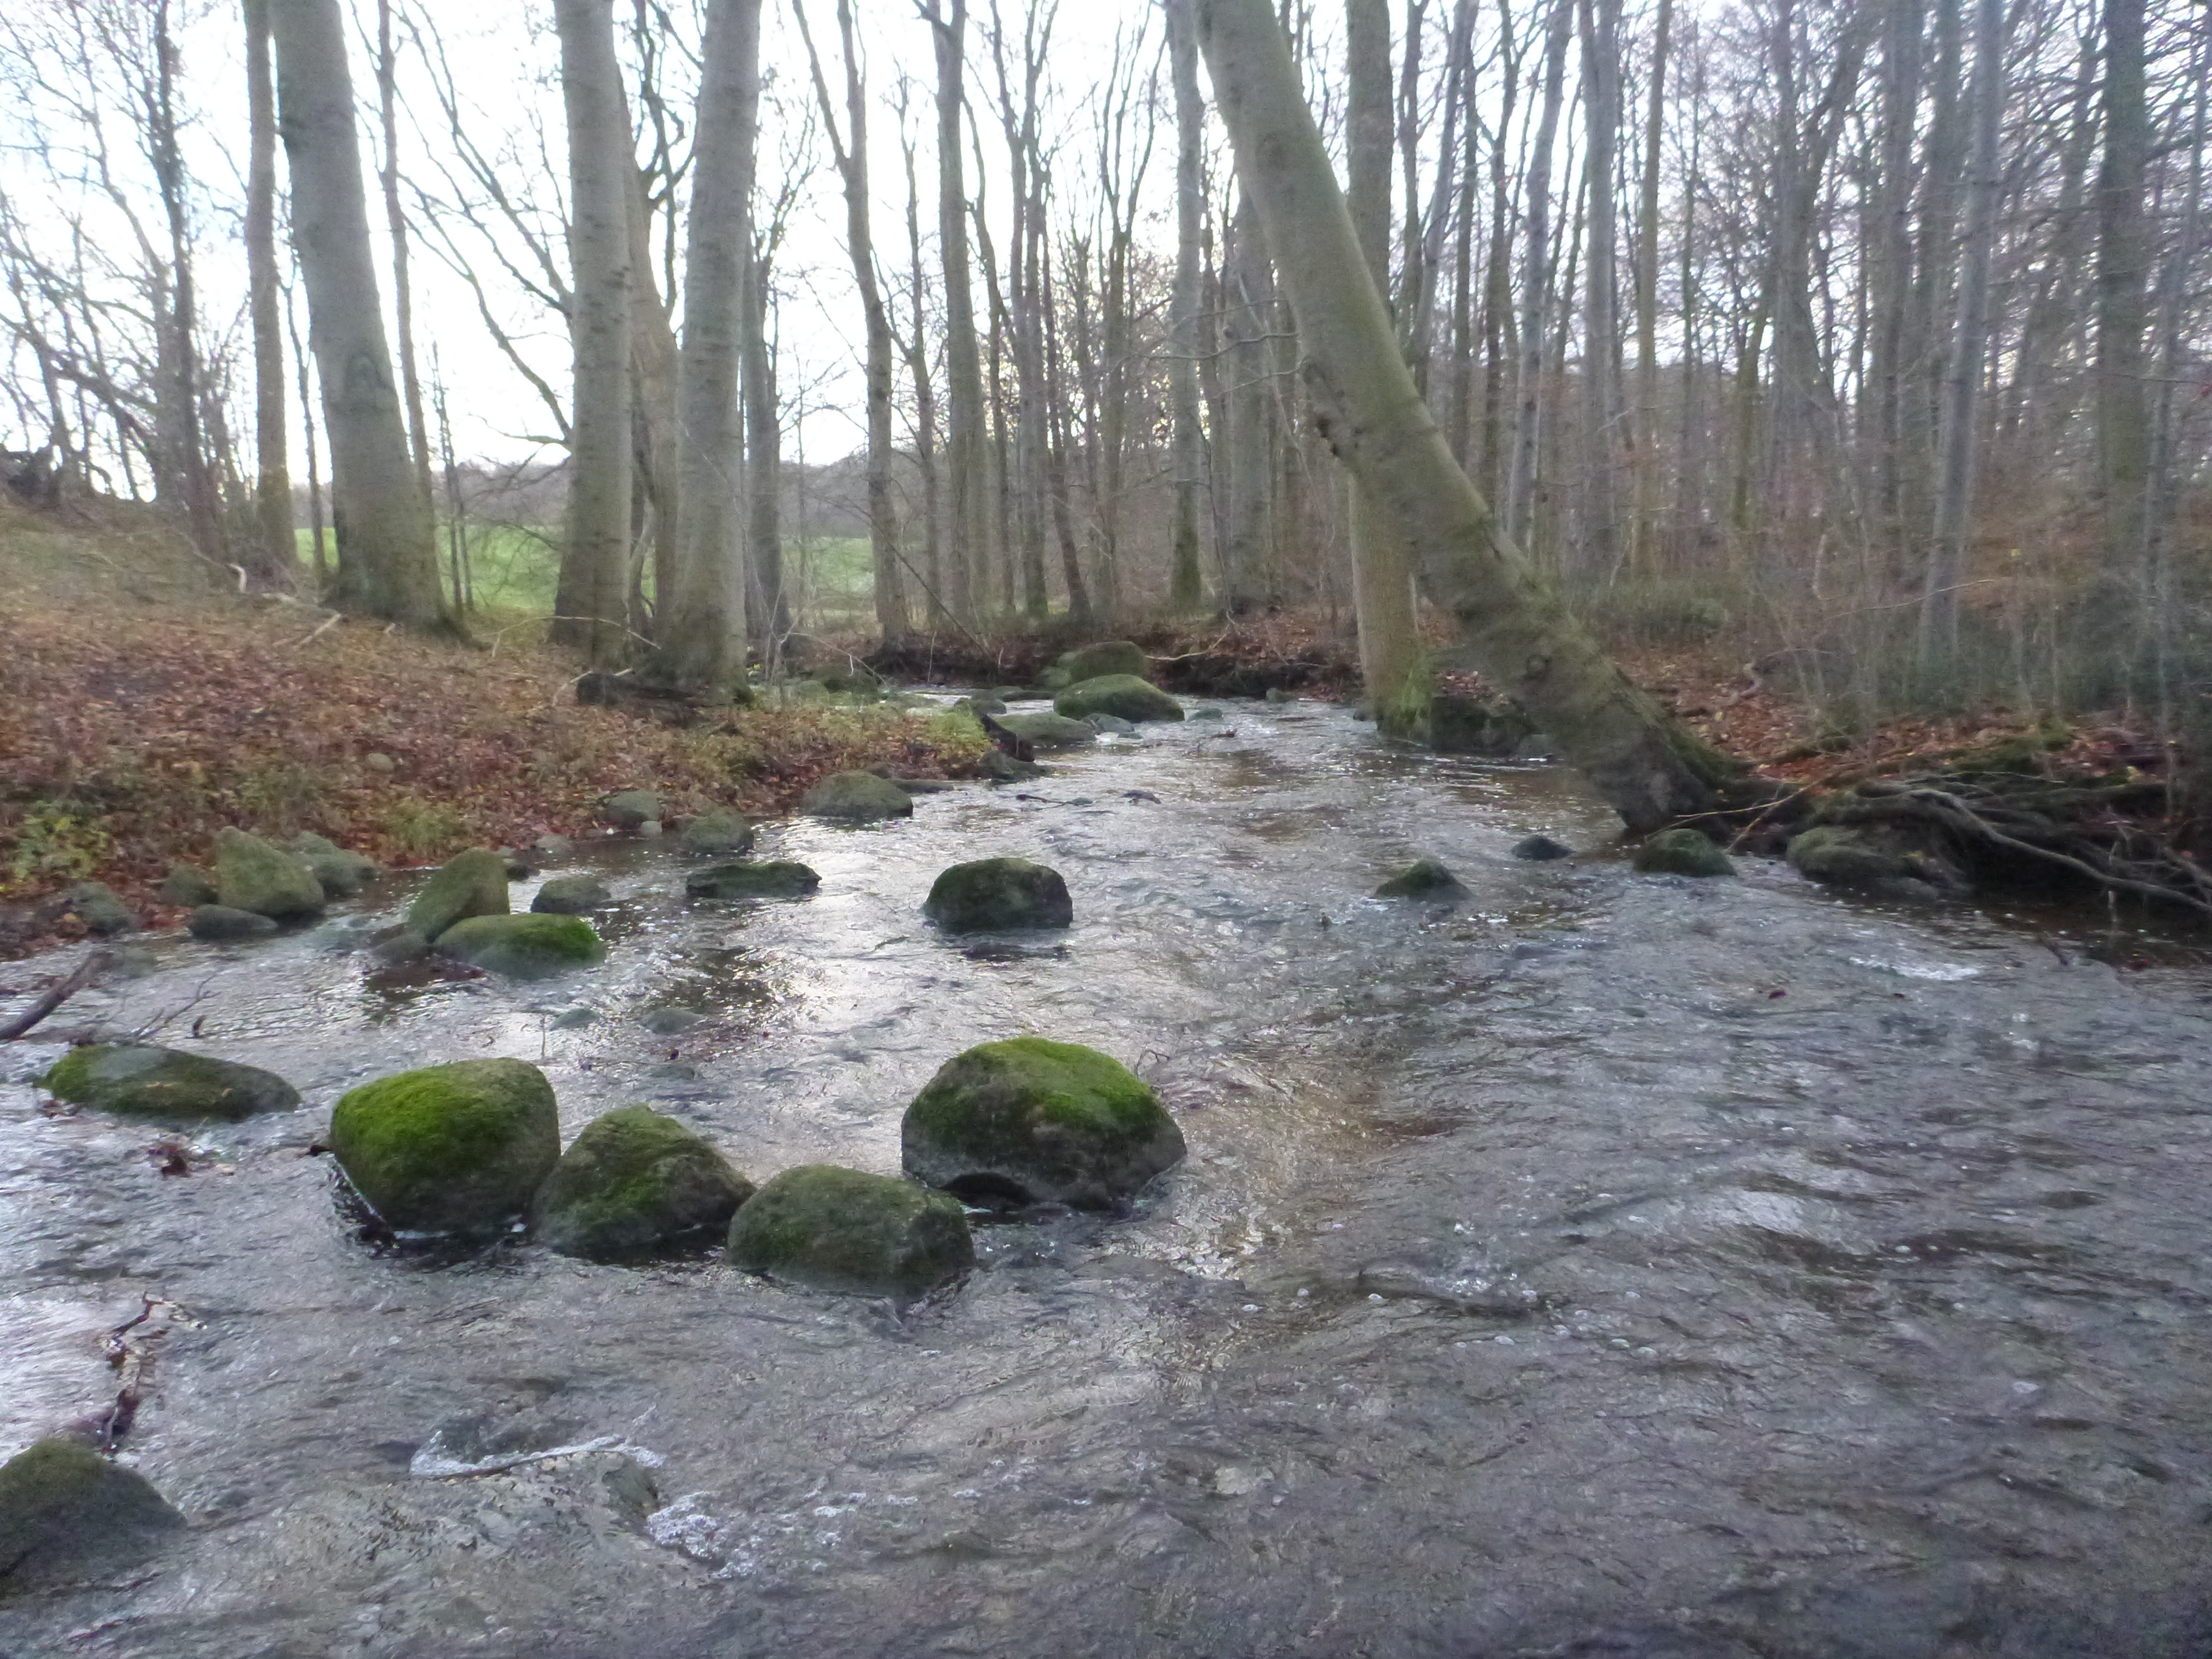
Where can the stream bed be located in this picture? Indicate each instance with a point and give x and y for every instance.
(1603, 1265)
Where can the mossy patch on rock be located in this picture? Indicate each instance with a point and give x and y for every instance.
(1107, 657)
(777, 878)
(1123, 695)
(472, 884)
(341, 874)
(1682, 853)
(216, 923)
(1423, 878)
(529, 946)
(1051, 731)
(1030, 1120)
(990, 893)
(67, 1512)
(630, 809)
(858, 797)
(1831, 853)
(189, 886)
(93, 904)
(144, 1081)
(841, 1230)
(718, 833)
(635, 1182)
(571, 896)
(251, 875)
(449, 1148)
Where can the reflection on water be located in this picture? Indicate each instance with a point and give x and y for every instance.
(1601, 1264)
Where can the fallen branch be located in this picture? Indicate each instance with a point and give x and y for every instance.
(95, 964)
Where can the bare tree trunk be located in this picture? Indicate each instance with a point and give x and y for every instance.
(595, 554)
(654, 373)
(276, 557)
(1519, 631)
(1056, 407)
(181, 386)
(769, 601)
(702, 636)
(925, 403)
(1247, 302)
(1186, 585)
(1643, 525)
(1600, 23)
(320, 552)
(2122, 259)
(1537, 278)
(388, 566)
(395, 218)
(963, 370)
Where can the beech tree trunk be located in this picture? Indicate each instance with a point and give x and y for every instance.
(276, 555)
(2122, 261)
(1186, 585)
(967, 530)
(1518, 628)
(387, 563)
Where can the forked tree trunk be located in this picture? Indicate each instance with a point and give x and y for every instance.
(388, 566)
(275, 557)
(595, 559)
(1518, 631)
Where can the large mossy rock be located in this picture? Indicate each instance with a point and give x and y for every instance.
(143, 1081)
(219, 924)
(987, 894)
(1682, 853)
(1122, 695)
(1841, 857)
(1032, 1121)
(534, 945)
(251, 875)
(1107, 657)
(630, 810)
(777, 878)
(188, 887)
(473, 883)
(457, 1148)
(1423, 878)
(841, 1230)
(66, 1513)
(98, 911)
(571, 896)
(857, 797)
(1454, 724)
(1050, 731)
(632, 1183)
(720, 833)
(341, 874)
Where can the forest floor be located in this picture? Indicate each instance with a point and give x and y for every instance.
(147, 710)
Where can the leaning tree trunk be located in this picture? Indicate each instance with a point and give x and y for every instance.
(595, 561)
(388, 565)
(1518, 631)
(275, 559)
(702, 636)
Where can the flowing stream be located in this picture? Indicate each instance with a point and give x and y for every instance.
(1604, 1265)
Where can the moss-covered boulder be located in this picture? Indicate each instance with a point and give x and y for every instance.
(98, 911)
(251, 875)
(341, 874)
(718, 833)
(630, 810)
(571, 896)
(1107, 657)
(1682, 853)
(857, 797)
(1423, 878)
(1033, 1121)
(474, 883)
(1054, 679)
(987, 894)
(219, 924)
(534, 945)
(144, 1081)
(456, 1148)
(777, 878)
(1842, 857)
(632, 1183)
(1051, 731)
(1122, 695)
(188, 886)
(840, 1230)
(66, 1513)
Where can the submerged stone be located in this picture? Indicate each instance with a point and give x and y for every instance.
(634, 1182)
(472, 884)
(1032, 1121)
(1121, 694)
(341, 874)
(719, 831)
(1423, 878)
(778, 879)
(1050, 731)
(449, 1148)
(1682, 853)
(188, 886)
(571, 896)
(991, 894)
(528, 946)
(216, 923)
(841, 1230)
(1542, 850)
(859, 797)
(251, 875)
(144, 1081)
(67, 1512)
(667, 1022)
